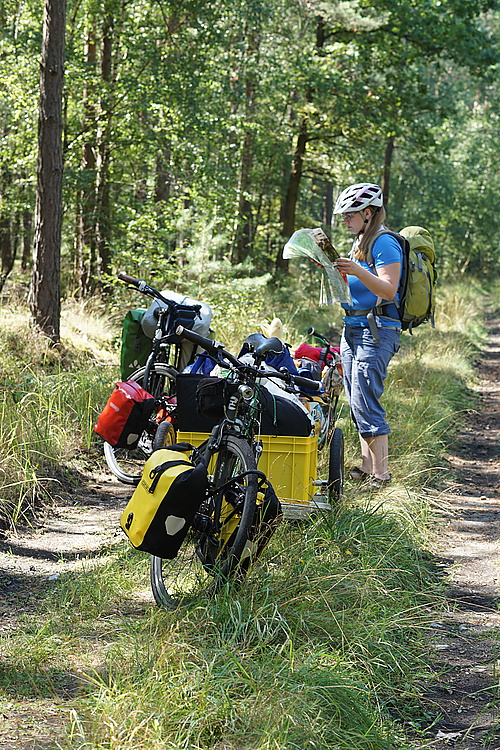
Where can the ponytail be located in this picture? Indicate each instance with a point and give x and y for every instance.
(373, 226)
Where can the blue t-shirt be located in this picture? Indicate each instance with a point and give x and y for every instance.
(385, 250)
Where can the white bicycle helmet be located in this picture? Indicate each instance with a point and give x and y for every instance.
(359, 196)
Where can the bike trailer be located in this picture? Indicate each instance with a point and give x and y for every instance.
(125, 415)
(290, 463)
(159, 514)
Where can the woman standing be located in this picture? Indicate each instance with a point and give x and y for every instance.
(372, 327)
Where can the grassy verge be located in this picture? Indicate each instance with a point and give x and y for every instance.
(49, 399)
(323, 647)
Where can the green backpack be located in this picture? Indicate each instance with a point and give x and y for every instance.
(418, 277)
(136, 346)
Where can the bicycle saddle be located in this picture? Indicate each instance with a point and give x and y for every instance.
(261, 345)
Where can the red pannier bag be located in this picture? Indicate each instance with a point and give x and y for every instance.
(126, 415)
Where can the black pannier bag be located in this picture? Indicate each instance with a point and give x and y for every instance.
(159, 514)
(188, 417)
(278, 415)
(212, 396)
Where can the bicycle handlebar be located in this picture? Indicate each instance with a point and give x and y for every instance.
(312, 332)
(216, 349)
(307, 383)
(150, 291)
(144, 288)
(128, 279)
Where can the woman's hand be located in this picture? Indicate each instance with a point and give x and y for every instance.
(384, 283)
(347, 266)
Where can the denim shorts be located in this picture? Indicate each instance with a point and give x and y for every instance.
(365, 368)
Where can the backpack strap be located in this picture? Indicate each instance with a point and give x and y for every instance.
(379, 310)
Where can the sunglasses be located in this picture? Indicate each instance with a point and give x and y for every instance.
(348, 217)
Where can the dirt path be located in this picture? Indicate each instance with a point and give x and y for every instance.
(71, 537)
(464, 641)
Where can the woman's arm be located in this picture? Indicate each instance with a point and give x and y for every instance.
(384, 283)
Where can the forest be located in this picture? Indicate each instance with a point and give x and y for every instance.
(183, 142)
(197, 136)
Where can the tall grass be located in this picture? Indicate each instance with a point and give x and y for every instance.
(320, 648)
(323, 646)
(49, 399)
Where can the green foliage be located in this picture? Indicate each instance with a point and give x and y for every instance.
(203, 107)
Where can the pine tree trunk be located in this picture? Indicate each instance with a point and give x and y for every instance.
(103, 219)
(45, 295)
(27, 220)
(85, 241)
(328, 207)
(7, 235)
(289, 207)
(243, 230)
(6, 253)
(163, 177)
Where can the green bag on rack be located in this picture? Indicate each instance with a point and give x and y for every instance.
(136, 346)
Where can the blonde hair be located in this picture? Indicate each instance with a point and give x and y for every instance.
(373, 226)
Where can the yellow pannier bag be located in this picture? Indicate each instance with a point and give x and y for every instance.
(159, 514)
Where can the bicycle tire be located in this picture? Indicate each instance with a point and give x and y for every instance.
(154, 375)
(125, 464)
(206, 560)
(326, 428)
(336, 466)
(165, 435)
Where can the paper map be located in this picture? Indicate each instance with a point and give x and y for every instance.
(314, 244)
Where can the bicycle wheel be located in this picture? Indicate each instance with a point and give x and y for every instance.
(217, 542)
(125, 464)
(336, 466)
(326, 425)
(157, 378)
(165, 435)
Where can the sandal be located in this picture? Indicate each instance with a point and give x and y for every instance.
(378, 483)
(358, 474)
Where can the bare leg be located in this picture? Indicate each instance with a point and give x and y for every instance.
(377, 457)
(366, 456)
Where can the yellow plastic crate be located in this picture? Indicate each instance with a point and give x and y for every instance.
(289, 463)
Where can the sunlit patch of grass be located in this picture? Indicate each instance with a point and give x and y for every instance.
(91, 328)
(306, 653)
(460, 308)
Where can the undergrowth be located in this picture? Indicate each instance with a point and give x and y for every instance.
(323, 646)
